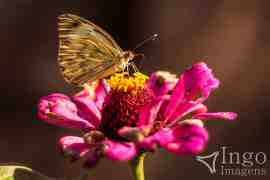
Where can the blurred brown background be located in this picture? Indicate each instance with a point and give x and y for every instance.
(233, 37)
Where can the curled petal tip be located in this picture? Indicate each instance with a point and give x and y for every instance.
(199, 79)
(161, 82)
(59, 110)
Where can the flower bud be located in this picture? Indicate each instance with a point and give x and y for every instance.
(93, 137)
(132, 134)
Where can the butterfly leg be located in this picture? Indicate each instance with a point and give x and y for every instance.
(134, 67)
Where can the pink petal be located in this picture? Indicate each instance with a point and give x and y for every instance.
(88, 109)
(101, 92)
(217, 115)
(193, 146)
(119, 151)
(196, 81)
(151, 143)
(149, 112)
(184, 109)
(74, 146)
(176, 98)
(183, 139)
(187, 139)
(199, 80)
(161, 82)
(58, 109)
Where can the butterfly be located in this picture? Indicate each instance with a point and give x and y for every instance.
(87, 52)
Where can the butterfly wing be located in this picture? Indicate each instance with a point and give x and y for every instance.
(85, 50)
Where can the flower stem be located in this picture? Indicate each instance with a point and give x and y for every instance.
(137, 167)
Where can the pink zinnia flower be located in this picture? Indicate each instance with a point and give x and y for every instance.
(126, 115)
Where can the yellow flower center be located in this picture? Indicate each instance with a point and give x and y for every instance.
(127, 83)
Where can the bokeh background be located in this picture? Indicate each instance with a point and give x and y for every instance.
(231, 36)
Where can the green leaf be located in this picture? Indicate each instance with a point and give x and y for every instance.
(18, 172)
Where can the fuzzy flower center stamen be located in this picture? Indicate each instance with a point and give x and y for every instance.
(122, 106)
(126, 83)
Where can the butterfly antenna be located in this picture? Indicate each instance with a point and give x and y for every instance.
(151, 38)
